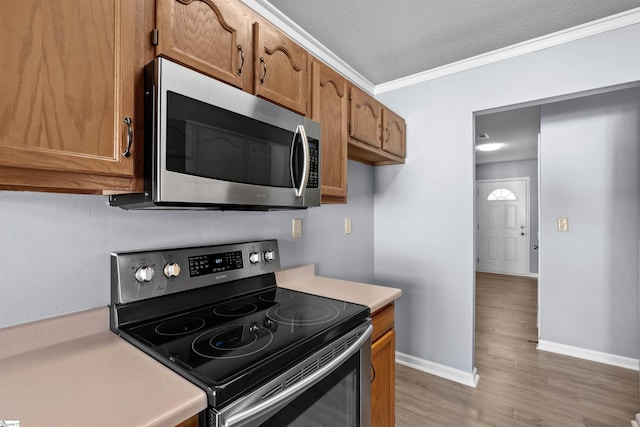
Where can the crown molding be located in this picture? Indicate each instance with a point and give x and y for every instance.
(588, 29)
(300, 36)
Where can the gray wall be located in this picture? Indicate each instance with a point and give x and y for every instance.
(55, 247)
(424, 210)
(590, 173)
(527, 168)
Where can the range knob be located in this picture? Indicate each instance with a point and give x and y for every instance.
(144, 274)
(254, 257)
(172, 270)
(269, 255)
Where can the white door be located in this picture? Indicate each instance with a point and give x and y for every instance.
(503, 231)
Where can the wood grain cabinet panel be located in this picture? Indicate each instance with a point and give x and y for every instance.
(280, 68)
(365, 120)
(393, 137)
(211, 36)
(191, 422)
(66, 80)
(329, 106)
(383, 381)
(383, 368)
(383, 320)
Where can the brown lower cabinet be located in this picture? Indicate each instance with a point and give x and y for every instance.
(191, 422)
(383, 371)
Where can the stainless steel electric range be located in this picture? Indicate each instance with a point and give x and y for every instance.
(264, 355)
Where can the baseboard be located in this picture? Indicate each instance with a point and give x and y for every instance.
(467, 378)
(594, 356)
(534, 275)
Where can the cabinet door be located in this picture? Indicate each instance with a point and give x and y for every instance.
(211, 36)
(280, 69)
(330, 107)
(393, 139)
(383, 391)
(66, 80)
(365, 119)
(191, 422)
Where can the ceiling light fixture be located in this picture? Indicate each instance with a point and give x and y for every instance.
(492, 146)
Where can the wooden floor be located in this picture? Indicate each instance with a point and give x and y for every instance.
(519, 385)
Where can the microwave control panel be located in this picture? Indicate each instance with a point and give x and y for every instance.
(314, 164)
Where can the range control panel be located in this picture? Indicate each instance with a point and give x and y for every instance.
(141, 275)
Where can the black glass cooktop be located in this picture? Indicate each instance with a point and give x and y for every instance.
(242, 341)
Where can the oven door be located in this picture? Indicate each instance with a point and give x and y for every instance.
(330, 388)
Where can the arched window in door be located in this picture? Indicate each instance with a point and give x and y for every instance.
(501, 194)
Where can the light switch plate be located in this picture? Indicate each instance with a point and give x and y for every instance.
(563, 224)
(296, 228)
(347, 226)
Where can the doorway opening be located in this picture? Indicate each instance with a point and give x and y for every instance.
(588, 166)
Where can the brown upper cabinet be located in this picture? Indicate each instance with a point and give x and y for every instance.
(67, 82)
(211, 36)
(365, 120)
(393, 134)
(376, 134)
(226, 40)
(280, 68)
(330, 107)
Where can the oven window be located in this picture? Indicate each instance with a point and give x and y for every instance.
(211, 142)
(334, 401)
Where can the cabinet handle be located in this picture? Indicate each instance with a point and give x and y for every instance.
(373, 369)
(264, 70)
(128, 122)
(388, 134)
(241, 60)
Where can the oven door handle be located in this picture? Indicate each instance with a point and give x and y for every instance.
(279, 400)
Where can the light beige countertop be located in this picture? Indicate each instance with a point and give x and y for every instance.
(85, 375)
(304, 279)
(73, 371)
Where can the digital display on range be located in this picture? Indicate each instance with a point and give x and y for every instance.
(202, 265)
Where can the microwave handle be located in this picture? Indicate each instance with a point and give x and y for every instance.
(279, 400)
(305, 169)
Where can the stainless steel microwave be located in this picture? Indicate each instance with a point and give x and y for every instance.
(209, 145)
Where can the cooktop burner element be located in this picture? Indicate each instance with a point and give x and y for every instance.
(232, 341)
(282, 296)
(233, 309)
(179, 326)
(219, 319)
(298, 314)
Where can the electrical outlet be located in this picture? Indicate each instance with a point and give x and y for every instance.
(296, 228)
(563, 224)
(347, 226)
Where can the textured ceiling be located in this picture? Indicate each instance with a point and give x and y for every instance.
(385, 40)
(516, 129)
